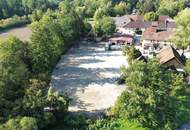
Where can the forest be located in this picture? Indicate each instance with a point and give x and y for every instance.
(9, 8)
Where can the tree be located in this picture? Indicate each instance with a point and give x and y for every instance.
(57, 101)
(12, 124)
(104, 26)
(99, 14)
(171, 7)
(181, 37)
(24, 123)
(13, 76)
(187, 67)
(131, 52)
(151, 16)
(120, 9)
(151, 95)
(34, 100)
(108, 25)
(147, 6)
(28, 123)
(36, 15)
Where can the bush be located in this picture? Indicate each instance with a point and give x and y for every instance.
(13, 124)
(15, 21)
(114, 124)
(131, 52)
(18, 123)
(75, 120)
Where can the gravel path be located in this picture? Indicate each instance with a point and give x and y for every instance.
(88, 74)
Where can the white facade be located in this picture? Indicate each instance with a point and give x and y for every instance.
(155, 45)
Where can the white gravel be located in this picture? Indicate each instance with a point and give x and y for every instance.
(88, 74)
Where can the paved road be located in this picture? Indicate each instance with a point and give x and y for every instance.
(88, 74)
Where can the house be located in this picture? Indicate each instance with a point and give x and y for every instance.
(170, 58)
(121, 22)
(121, 40)
(137, 25)
(155, 39)
(166, 23)
(128, 24)
(135, 18)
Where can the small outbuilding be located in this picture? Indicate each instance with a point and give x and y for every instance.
(170, 58)
(122, 40)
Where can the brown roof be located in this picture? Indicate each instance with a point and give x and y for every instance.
(151, 29)
(157, 36)
(138, 24)
(163, 18)
(121, 21)
(136, 17)
(168, 54)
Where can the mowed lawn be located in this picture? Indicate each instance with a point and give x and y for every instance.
(23, 33)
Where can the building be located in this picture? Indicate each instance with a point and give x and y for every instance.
(137, 25)
(129, 24)
(154, 39)
(122, 40)
(121, 22)
(170, 58)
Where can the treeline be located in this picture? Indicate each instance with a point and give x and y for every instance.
(87, 8)
(10, 8)
(26, 101)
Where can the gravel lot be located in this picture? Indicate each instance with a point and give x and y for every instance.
(88, 73)
(23, 33)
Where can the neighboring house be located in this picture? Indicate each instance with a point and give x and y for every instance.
(128, 24)
(121, 22)
(136, 17)
(170, 58)
(166, 23)
(154, 39)
(121, 40)
(137, 25)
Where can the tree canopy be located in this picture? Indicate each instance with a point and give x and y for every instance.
(151, 95)
(181, 37)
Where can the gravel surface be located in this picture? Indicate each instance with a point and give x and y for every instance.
(88, 74)
(23, 33)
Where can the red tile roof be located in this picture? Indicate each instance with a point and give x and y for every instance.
(122, 38)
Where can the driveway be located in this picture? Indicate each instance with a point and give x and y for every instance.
(88, 74)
